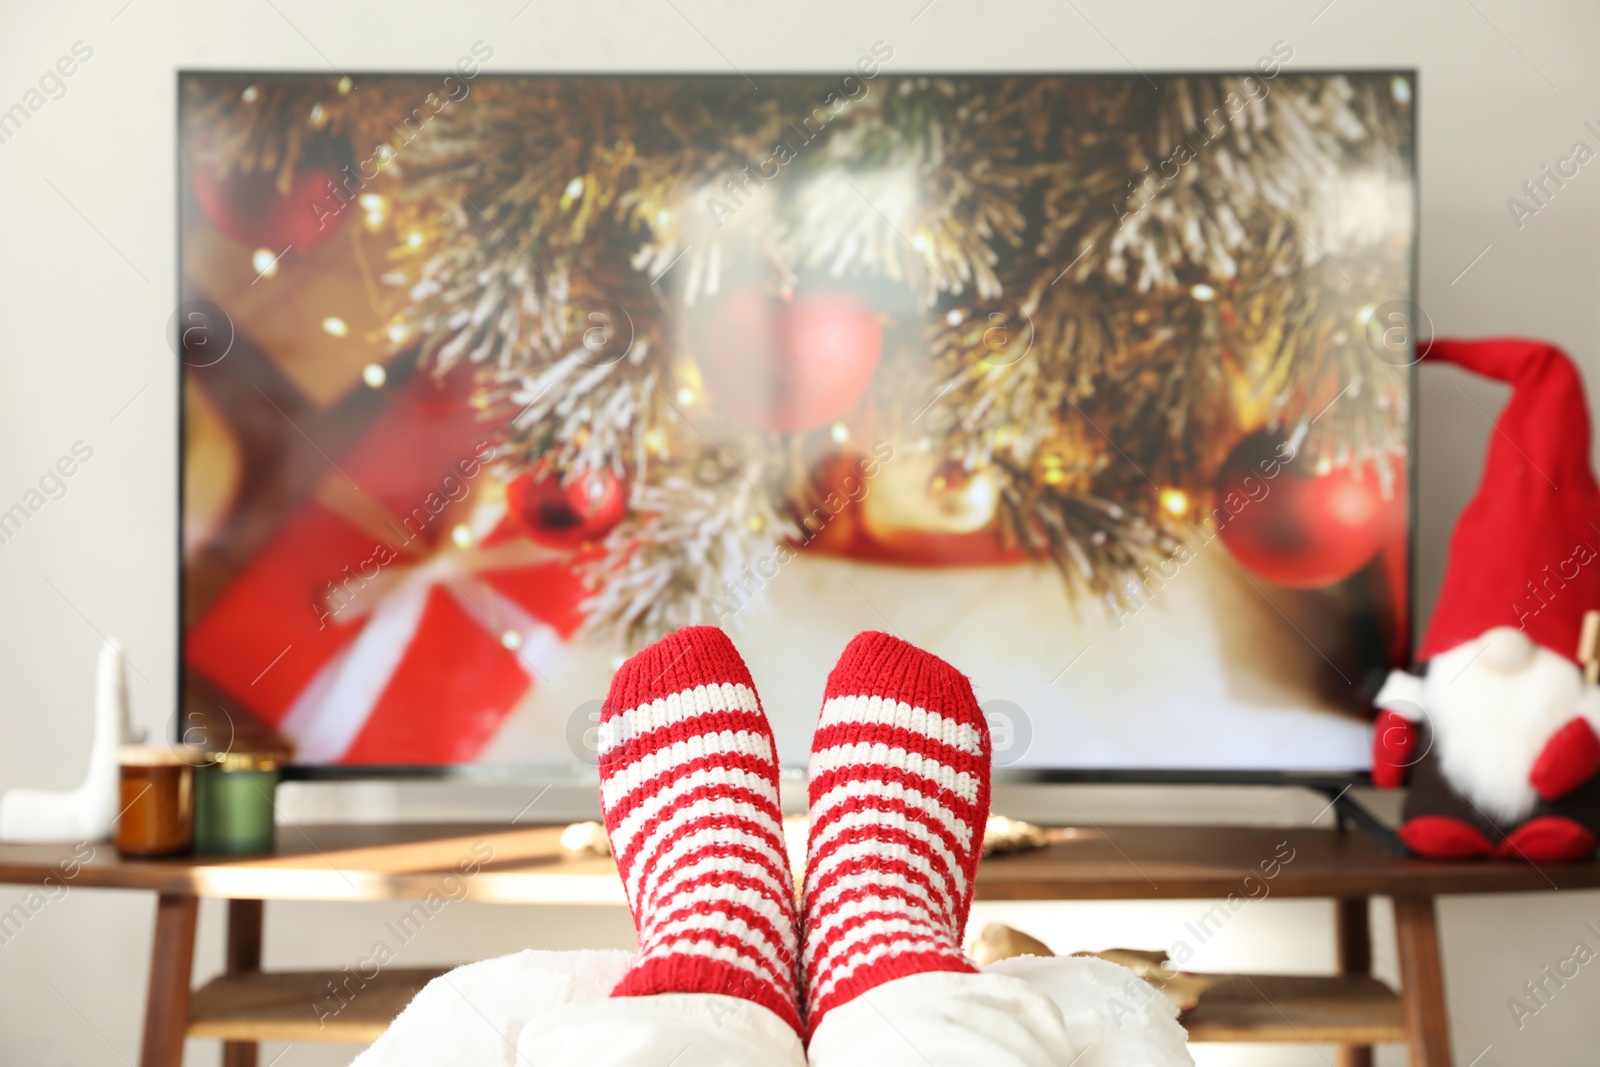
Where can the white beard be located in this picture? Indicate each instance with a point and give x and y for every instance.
(1489, 726)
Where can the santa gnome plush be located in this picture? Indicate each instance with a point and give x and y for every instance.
(1498, 738)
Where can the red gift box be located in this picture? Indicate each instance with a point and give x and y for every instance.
(393, 618)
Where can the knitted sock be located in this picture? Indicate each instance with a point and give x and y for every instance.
(899, 797)
(689, 786)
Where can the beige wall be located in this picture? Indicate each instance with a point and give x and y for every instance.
(86, 288)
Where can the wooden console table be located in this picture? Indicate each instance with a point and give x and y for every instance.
(246, 1005)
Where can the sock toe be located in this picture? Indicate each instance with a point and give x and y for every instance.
(682, 660)
(884, 666)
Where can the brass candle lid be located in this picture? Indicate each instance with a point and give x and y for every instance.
(244, 761)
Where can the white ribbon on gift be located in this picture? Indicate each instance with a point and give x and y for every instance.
(330, 713)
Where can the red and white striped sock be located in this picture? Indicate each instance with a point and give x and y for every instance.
(899, 797)
(689, 786)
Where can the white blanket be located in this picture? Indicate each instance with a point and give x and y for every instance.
(475, 1015)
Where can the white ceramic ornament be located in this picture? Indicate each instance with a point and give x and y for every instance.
(87, 813)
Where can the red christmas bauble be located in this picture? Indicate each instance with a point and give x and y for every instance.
(790, 365)
(1293, 526)
(248, 207)
(558, 516)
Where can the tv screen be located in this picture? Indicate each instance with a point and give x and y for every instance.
(1098, 386)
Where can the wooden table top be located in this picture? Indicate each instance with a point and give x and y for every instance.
(526, 865)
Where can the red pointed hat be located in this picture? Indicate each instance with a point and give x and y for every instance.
(1526, 549)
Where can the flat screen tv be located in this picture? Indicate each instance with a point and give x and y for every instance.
(1098, 385)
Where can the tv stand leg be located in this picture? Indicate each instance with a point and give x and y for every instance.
(166, 1012)
(243, 957)
(1354, 942)
(1422, 1002)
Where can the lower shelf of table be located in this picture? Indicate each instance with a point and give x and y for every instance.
(1343, 1010)
(304, 1005)
(347, 1006)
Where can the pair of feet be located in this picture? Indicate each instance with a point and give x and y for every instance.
(899, 794)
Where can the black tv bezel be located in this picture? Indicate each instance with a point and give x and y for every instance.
(1330, 781)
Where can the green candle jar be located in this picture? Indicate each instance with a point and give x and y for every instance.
(233, 803)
